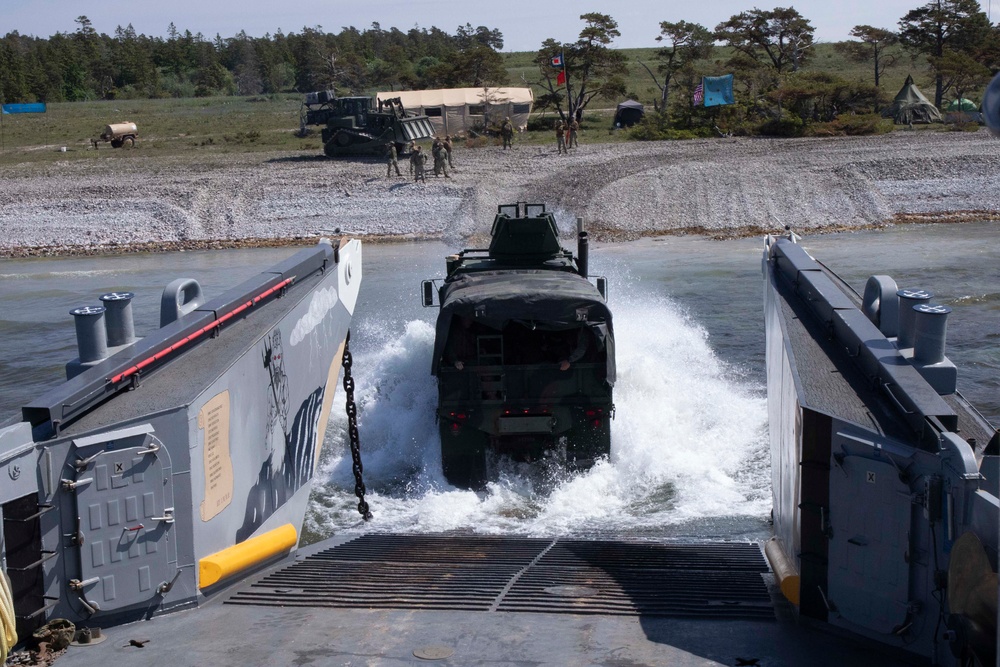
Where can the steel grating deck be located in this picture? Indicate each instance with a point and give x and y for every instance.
(721, 580)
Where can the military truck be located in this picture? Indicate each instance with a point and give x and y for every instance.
(362, 125)
(523, 351)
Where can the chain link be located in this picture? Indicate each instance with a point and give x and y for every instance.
(352, 431)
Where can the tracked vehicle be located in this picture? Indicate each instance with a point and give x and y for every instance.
(362, 125)
(524, 350)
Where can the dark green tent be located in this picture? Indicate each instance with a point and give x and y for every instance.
(628, 114)
(910, 106)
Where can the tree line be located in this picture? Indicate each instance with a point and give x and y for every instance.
(769, 51)
(87, 65)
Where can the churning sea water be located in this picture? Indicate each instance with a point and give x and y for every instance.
(689, 441)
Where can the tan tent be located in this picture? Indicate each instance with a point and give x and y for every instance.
(457, 110)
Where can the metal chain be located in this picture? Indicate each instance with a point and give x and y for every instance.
(352, 431)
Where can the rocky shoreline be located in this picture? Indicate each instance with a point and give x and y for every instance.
(723, 188)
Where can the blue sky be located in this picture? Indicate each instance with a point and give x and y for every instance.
(524, 23)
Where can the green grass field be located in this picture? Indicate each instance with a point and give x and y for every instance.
(209, 126)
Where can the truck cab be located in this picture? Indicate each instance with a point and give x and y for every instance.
(524, 350)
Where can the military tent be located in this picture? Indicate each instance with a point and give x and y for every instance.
(628, 114)
(910, 106)
(962, 105)
(456, 110)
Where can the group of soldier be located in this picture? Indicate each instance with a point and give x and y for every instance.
(440, 152)
(566, 136)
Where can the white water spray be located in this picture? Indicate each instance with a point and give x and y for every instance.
(688, 445)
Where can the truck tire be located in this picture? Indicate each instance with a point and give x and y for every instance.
(128, 142)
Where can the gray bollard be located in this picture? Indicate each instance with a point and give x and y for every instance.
(929, 332)
(908, 298)
(91, 336)
(118, 319)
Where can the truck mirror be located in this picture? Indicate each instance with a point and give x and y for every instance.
(602, 287)
(427, 286)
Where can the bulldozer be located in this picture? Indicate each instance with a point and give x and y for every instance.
(362, 125)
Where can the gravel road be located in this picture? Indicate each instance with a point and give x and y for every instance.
(725, 187)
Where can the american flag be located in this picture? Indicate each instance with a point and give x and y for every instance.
(699, 94)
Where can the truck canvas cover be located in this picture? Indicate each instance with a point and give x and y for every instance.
(548, 300)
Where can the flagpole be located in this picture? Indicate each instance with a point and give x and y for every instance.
(569, 99)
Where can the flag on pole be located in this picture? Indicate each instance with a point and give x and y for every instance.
(557, 60)
(699, 95)
(561, 78)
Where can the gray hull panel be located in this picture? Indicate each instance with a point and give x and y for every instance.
(872, 483)
(215, 442)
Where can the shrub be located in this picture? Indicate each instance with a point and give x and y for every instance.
(851, 126)
(249, 137)
(965, 126)
(786, 126)
(542, 123)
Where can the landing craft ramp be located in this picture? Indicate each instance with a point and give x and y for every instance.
(520, 574)
(380, 599)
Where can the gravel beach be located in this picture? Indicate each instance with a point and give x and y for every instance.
(720, 187)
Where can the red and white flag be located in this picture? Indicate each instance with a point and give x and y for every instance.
(699, 94)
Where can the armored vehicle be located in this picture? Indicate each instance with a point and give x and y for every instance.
(362, 125)
(524, 350)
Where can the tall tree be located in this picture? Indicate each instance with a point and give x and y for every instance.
(875, 47)
(592, 68)
(13, 79)
(960, 72)
(940, 25)
(781, 37)
(685, 43)
(134, 63)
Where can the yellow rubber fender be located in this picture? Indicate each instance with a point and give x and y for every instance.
(236, 559)
(8, 626)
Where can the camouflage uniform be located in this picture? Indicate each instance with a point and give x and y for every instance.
(507, 132)
(411, 147)
(447, 148)
(391, 160)
(440, 156)
(574, 127)
(561, 138)
(418, 159)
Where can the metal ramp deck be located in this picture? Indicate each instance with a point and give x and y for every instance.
(714, 580)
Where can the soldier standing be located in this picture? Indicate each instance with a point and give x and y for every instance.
(440, 158)
(417, 160)
(507, 132)
(435, 150)
(391, 160)
(410, 148)
(574, 127)
(447, 148)
(561, 137)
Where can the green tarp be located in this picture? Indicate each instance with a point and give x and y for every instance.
(548, 300)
